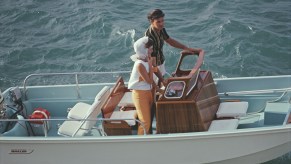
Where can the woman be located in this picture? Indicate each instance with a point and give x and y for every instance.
(141, 82)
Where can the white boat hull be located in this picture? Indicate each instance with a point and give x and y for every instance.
(242, 146)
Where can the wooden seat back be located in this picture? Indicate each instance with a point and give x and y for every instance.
(114, 98)
(113, 127)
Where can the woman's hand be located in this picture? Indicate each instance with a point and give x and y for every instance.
(164, 82)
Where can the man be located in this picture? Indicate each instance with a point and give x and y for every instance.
(158, 34)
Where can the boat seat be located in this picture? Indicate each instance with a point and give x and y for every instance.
(232, 109)
(80, 110)
(120, 123)
(228, 124)
(73, 128)
(126, 100)
(128, 116)
(117, 121)
(277, 113)
(77, 125)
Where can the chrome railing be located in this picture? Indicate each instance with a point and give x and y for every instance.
(263, 91)
(76, 74)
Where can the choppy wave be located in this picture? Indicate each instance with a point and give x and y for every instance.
(241, 38)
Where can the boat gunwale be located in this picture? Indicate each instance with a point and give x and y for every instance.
(155, 137)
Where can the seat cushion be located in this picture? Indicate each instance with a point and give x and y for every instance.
(228, 124)
(232, 109)
(79, 111)
(80, 127)
(126, 100)
(123, 115)
(104, 93)
(72, 128)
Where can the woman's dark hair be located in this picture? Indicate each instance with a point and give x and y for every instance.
(155, 14)
(149, 43)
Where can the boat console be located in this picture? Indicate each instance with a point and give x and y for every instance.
(190, 102)
(191, 112)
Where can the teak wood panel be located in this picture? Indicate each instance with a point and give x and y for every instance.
(190, 115)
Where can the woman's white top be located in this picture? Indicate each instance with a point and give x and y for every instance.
(134, 82)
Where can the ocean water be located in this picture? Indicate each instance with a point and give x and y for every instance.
(240, 37)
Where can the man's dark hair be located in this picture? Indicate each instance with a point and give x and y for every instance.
(155, 14)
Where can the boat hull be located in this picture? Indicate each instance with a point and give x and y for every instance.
(251, 146)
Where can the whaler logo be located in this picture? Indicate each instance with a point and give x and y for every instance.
(21, 151)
